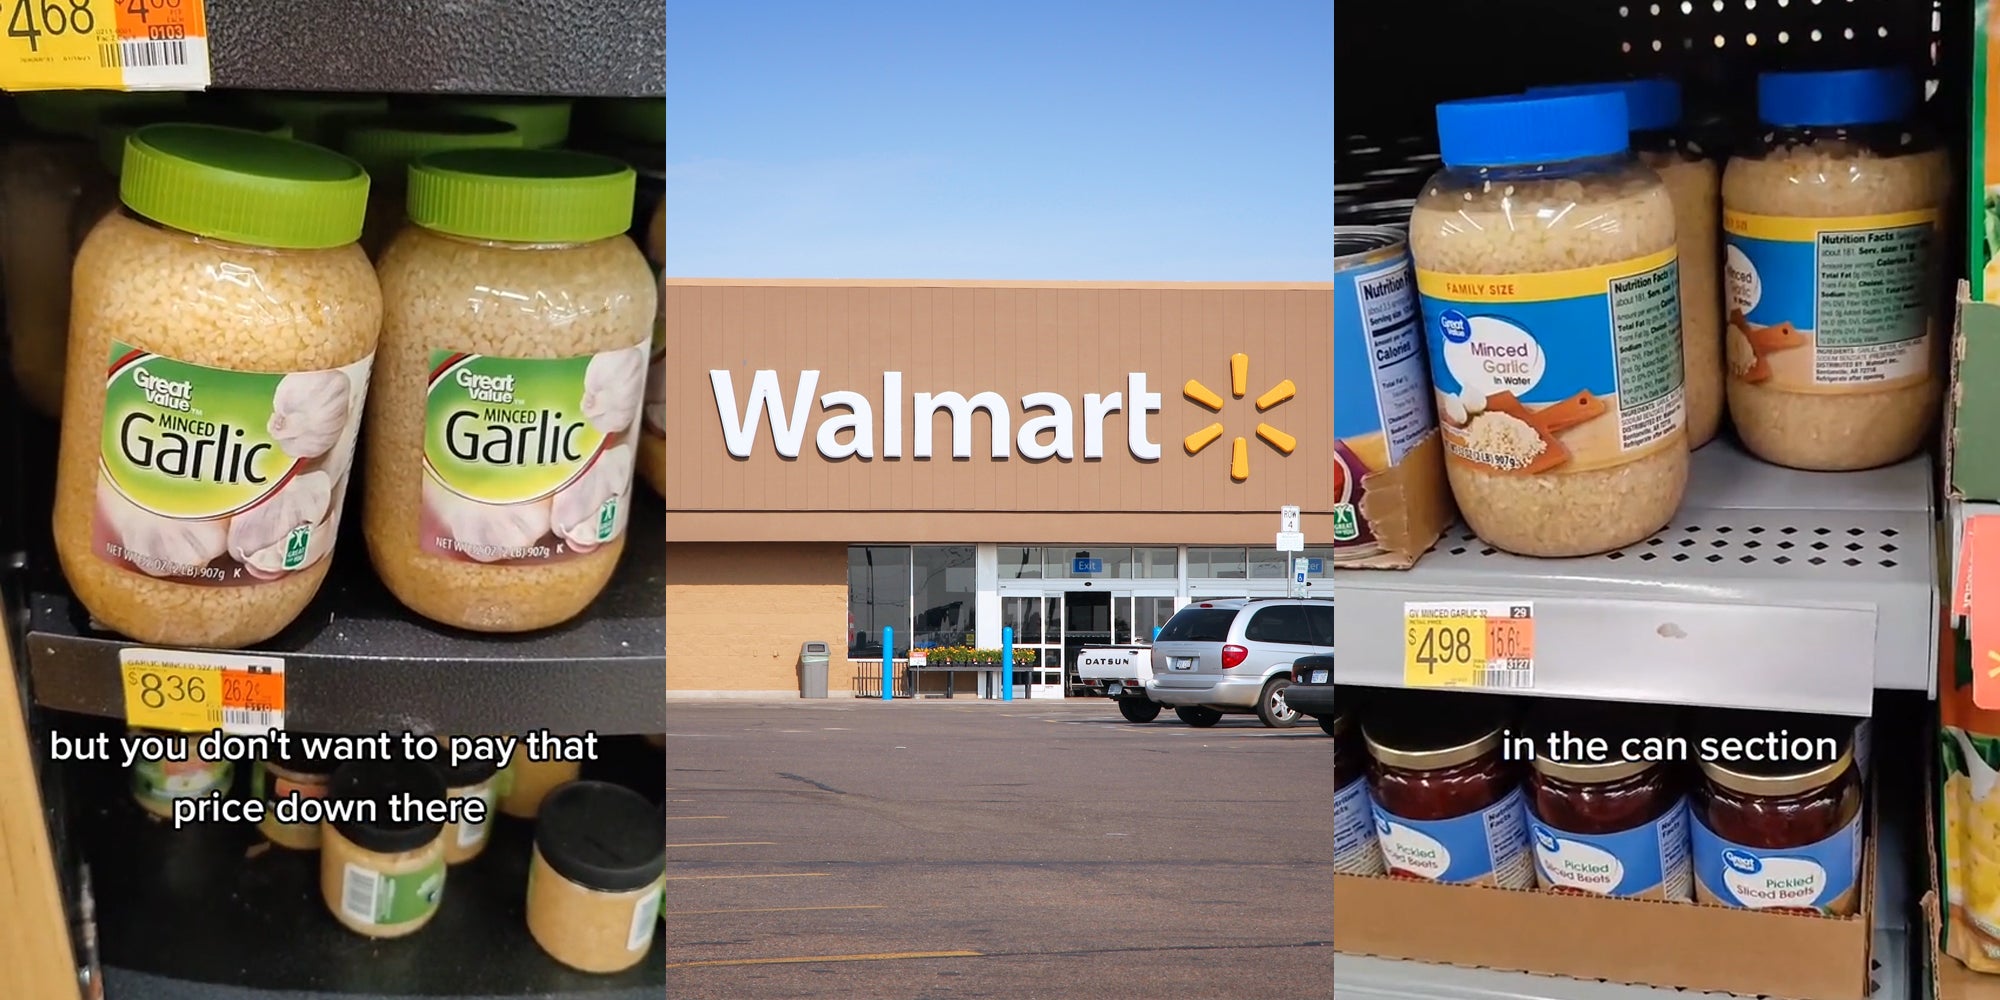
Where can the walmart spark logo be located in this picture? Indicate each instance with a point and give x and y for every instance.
(1239, 385)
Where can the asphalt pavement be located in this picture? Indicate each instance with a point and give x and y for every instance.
(856, 850)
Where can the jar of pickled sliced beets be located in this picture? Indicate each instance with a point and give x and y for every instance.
(1607, 812)
(1778, 813)
(1447, 807)
(1355, 850)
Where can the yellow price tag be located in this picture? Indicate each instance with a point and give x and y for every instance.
(1469, 644)
(188, 691)
(172, 696)
(103, 45)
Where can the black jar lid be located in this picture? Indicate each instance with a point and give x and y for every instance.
(378, 781)
(470, 773)
(1613, 723)
(602, 836)
(1775, 777)
(294, 758)
(1425, 731)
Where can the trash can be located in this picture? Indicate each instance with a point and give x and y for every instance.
(813, 659)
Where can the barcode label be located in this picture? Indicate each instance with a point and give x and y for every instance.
(143, 54)
(358, 892)
(1516, 675)
(643, 915)
(251, 720)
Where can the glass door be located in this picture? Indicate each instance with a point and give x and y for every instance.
(1037, 623)
(1135, 617)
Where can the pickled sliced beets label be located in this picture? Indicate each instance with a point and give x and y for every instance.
(1488, 847)
(1649, 861)
(1814, 878)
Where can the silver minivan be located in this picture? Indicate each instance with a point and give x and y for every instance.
(1218, 657)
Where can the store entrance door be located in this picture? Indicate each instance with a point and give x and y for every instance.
(1086, 622)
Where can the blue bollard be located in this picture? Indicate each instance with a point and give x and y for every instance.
(888, 663)
(1007, 663)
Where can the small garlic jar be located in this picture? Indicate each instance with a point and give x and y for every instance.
(385, 144)
(157, 783)
(381, 876)
(653, 429)
(276, 781)
(525, 783)
(504, 413)
(471, 780)
(316, 117)
(595, 881)
(224, 323)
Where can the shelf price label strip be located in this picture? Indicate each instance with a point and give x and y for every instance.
(188, 691)
(103, 45)
(1469, 644)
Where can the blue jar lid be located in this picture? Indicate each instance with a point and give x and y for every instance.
(1522, 129)
(1836, 97)
(1651, 105)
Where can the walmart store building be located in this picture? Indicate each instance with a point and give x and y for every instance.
(1075, 461)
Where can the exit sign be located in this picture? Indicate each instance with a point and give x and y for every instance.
(1084, 567)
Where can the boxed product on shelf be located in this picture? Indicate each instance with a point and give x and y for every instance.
(1982, 188)
(1971, 453)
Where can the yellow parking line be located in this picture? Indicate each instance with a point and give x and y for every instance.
(811, 959)
(776, 909)
(731, 843)
(706, 878)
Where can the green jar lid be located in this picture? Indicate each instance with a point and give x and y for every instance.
(228, 184)
(117, 125)
(631, 119)
(75, 113)
(385, 144)
(543, 121)
(314, 116)
(522, 195)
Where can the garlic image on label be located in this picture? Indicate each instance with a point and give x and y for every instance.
(579, 512)
(613, 384)
(263, 538)
(309, 412)
(159, 546)
(486, 532)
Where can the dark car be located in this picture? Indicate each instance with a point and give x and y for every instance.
(1312, 689)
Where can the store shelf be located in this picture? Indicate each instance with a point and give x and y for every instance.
(357, 661)
(181, 913)
(1772, 589)
(565, 47)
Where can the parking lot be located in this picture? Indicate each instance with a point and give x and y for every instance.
(978, 850)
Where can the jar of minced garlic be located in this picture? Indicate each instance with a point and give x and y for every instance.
(157, 783)
(595, 881)
(543, 121)
(385, 144)
(1831, 220)
(653, 430)
(476, 779)
(1545, 263)
(315, 117)
(227, 322)
(525, 783)
(290, 779)
(505, 406)
(42, 176)
(1694, 184)
(382, 875)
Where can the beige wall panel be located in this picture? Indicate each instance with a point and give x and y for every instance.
(737, 614)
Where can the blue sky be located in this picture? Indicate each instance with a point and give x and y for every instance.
(1023, 139)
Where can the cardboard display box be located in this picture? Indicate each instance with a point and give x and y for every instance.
(1971, 449)
(1688, 946)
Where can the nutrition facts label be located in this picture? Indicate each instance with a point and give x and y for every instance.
(1396, 351)
(1871, 287)
(1646, 327)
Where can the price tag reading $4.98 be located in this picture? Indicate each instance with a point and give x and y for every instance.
(1476, 644)
(185, 691)
(103, 45)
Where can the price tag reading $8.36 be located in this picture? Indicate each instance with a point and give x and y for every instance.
(103, 45)
(185, 691)
(1477, 644)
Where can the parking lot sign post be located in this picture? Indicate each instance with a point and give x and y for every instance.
(888, 663)
(1007, 663)
(1292, 540)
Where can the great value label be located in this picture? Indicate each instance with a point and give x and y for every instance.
(104, 45)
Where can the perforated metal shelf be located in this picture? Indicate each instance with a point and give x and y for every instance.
(1772, 589)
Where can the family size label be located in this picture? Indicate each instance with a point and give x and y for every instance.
(1829, 305)
(1488, 847)
(1558, 371)
(1649, 861)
